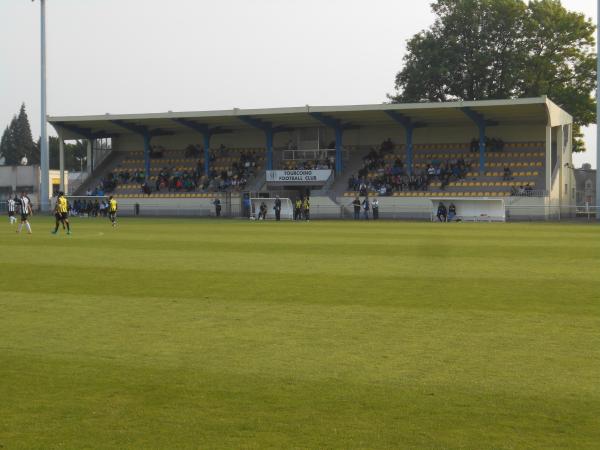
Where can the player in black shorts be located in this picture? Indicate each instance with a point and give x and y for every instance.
(26, 210)
(12, 207)
(61, 213)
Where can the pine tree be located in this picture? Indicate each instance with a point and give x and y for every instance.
(9, 146)
(23, 138)
(5, 150)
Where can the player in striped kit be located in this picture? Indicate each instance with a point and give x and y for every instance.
(26, 211)
(12, 208)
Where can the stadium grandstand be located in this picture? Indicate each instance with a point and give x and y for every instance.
(495, 159)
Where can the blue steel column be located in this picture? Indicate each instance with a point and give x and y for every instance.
(206, 137)
(481, 147)
(409, 128)
(147, 155)
(339, 164)
(481, 122)
(269, 139)
(409, 148)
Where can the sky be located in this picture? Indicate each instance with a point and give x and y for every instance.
(133, 56)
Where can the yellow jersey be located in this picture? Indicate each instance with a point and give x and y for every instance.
(112, 206)
(62, 205)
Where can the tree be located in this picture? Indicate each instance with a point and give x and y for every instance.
(75, 154)
(495, 49)
(23, 139)
(18, 142)
(9, 149)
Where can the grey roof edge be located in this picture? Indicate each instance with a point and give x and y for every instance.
(303, 109)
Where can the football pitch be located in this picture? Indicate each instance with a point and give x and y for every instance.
(172, 334)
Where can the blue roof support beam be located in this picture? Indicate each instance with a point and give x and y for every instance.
(481, 122)
(269, 130)
(207, 133)
(86, 133)
(147, 134)
(339, 127)
(409, 128)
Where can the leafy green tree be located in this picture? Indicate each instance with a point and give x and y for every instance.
(495, 49)
(75, 154)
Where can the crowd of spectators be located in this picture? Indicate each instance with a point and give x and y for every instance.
(491, 145)
(325, 164)
(171, 179)
(522, 191)
(385, 176)
(91, 208)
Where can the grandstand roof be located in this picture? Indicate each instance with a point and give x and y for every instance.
(539, 110)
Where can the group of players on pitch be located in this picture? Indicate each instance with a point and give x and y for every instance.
(61, 212)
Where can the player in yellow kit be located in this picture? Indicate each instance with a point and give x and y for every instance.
(112, 210)
(61, 213)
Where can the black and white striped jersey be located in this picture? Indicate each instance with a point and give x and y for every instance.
(25, 205)
(12, 205)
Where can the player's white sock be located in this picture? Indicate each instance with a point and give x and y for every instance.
(28, 227)
(20, 227)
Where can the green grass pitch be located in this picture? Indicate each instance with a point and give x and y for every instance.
(173, 334)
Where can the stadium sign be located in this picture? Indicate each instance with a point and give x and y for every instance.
(298, 177)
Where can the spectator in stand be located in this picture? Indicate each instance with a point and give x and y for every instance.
(507, 174)
(363, 189)
(442, 213)
(352, 182)
(474, 145)
(387, 146)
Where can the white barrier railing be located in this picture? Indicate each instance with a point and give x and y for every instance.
(342, 212)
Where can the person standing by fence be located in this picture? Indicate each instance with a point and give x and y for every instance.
(217, 204)
(375, 207)
(366, 204)
(356, 205)
(277, 208)
(306, 208)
